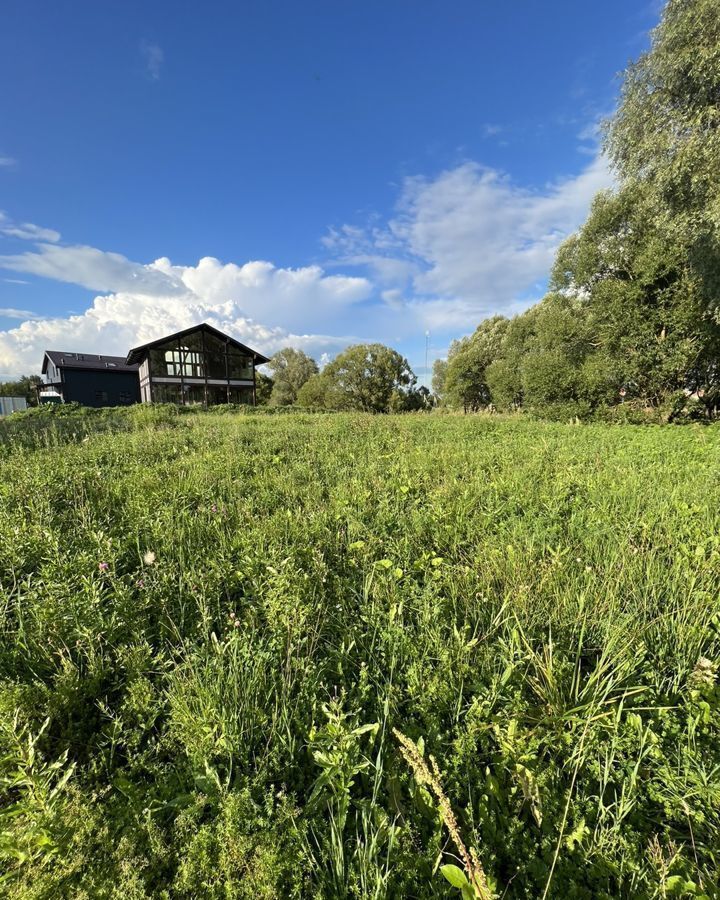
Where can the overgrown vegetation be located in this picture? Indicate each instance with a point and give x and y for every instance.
(212, 623)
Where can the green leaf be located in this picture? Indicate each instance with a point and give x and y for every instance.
(455, 876)
(468, 892)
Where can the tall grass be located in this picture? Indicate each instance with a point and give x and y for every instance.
(211, 623)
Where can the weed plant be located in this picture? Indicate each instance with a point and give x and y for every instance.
(211, 624)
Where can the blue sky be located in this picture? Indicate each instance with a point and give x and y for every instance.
(312, 174)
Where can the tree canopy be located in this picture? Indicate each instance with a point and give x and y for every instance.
(632, 314)
(365, 377)
(291, 369)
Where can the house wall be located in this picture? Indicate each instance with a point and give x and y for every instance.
(91, 388)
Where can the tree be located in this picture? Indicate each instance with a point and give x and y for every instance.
(414, 399)
(312, 395)
(23, 387)
(646, 312)
(666, 132)
(291, 370)
(465, 384)
(503, 375)
(365, 377)
(439, 375)
(263, 388)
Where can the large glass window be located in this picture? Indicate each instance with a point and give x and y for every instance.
(241, 395)
(215, 353)
(195, 394)
(216, 394)
(193, 363)
(166, 393)
(193, 341)
(158, 362)
(199, 355)
(239, 365)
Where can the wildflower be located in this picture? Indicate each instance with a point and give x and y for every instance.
(236, 623)
(213, 508)
(149, 558)
(140, 583)
(103, 566)
(705, 672)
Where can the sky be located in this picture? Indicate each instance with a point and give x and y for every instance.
(309, 174)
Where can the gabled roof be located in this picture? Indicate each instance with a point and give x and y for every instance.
(66, 360)
(137, 353)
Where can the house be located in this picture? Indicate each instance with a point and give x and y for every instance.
(199, 365)
(89, 379)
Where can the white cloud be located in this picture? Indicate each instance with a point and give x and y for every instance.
(7, 161)
(154, 57)
(257, 302)
(472, 242)
(26, 231)
(90, 268)
(8, 312)
(459, 247)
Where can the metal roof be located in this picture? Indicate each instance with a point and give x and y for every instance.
(137, 353)
(66, 360)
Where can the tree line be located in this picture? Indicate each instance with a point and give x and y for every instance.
(631, 317)
(364, 377)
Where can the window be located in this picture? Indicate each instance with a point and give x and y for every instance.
(239, 366)
(173, 362)
(216, 394)
(240, 395)
(215, 353)
(124, 397)
(166, 393)
(193, 364)
(165, 359)
(101, 396)
(195, 394)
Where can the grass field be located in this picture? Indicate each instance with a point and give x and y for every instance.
(211, 623)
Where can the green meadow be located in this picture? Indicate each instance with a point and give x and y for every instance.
(217, 628)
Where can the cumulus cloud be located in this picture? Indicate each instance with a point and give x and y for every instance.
(6, 161)
(471, 242)
(257, 302)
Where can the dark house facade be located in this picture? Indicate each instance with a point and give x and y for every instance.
(88, 379)
(199, 365)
